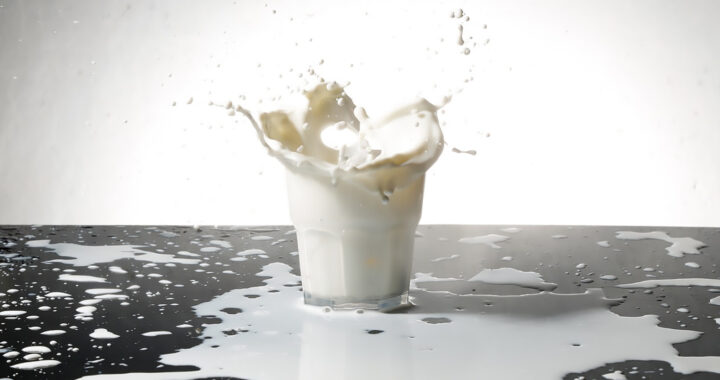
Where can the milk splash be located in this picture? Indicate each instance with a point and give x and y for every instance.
(325, 134)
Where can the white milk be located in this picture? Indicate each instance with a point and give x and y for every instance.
(355, 188)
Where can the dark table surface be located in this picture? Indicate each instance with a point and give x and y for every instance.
(209, 292)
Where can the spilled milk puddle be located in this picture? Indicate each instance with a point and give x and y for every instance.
(153, 303)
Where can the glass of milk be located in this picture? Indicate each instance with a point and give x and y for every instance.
(356, 201)
(355, 248)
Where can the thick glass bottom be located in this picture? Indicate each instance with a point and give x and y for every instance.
(384, 305)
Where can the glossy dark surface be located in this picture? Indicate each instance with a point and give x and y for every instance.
(156, 306)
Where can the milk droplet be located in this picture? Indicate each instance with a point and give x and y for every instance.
(617, 375)
(512, 276)
(672, 282)
(30, 357)
(27, 366)
(103, 334)
(471, 152)
(36, 350)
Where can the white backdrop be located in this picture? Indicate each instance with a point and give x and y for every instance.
(581, 112)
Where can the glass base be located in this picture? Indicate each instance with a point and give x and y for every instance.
(384, 305)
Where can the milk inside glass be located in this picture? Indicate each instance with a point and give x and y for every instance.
(355, 187)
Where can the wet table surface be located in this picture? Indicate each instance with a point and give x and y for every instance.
(499, 302)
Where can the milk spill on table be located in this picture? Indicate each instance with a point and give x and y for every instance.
(81, 255)
(262, 342)
(616, 375)
(445, 258)
(80, 278)
(715, 301)
(444, 330)
(647, 284)
(679, 248)
(512, 276)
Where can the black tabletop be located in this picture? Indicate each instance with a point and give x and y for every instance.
(490, 302)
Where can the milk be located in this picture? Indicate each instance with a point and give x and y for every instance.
(354, 250)
(355, 187)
